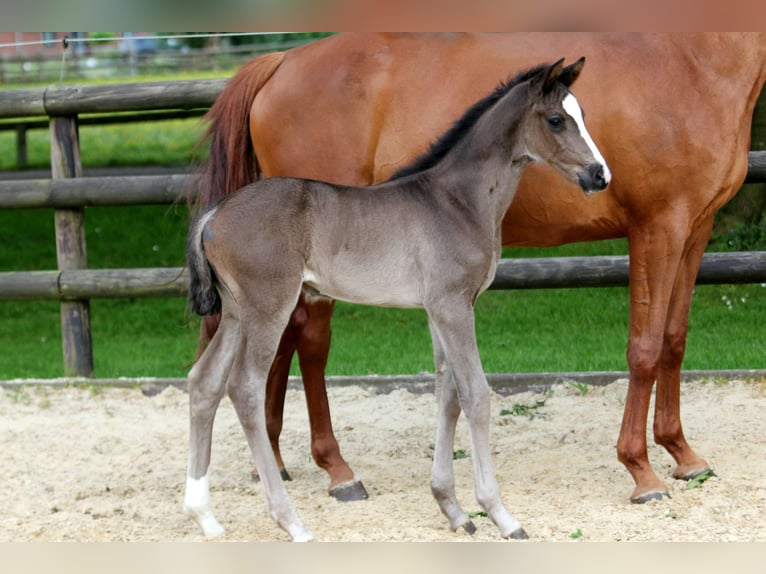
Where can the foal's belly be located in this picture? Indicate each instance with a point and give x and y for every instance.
(380, 287)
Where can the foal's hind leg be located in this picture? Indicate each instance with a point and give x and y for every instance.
(453, 322)
(247, 390)
(207, 381)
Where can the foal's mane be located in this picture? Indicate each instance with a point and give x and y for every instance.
(462, 126)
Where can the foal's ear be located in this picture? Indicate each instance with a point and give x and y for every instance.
(569, 74)
(552, 75)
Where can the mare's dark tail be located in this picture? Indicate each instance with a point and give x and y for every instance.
(203, 293)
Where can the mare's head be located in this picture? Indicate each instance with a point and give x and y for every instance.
(555, 128)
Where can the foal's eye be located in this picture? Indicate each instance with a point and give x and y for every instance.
(556, 123)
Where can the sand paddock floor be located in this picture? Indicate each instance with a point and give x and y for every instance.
(109, 465)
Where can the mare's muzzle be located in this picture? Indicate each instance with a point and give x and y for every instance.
(594, 178)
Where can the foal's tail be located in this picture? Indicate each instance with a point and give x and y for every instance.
(203, 293)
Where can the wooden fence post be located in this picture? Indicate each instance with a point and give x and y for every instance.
(70, 248)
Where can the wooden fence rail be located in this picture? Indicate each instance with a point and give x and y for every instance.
(159, 189)
(526, 273)
(68, 193)
(92, 191)
(21, 127)
(64, 100)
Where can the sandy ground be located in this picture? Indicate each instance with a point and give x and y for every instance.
(109, 465)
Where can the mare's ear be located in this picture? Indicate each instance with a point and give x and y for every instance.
(551, 75)
(569, 74)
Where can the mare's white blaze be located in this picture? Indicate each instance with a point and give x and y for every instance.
(572, 107)
(197, 504)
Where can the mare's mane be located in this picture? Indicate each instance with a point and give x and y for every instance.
(462, 126)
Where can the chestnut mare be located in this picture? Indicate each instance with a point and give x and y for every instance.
(670, 112)
(428, 238)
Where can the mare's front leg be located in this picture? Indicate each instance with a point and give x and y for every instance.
(453, 322)
(207, 383)
(668, 431)
(656, 255)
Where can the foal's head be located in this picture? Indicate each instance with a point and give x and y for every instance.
(556, 132)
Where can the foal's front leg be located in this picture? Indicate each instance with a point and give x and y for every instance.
(453, 322)
(442, 472)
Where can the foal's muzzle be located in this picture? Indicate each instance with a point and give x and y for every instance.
(594, 178)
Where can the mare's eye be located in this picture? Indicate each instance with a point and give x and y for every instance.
(556, 123)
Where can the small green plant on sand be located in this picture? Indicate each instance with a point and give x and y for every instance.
(699, 480)
(530, 411)
(581, 387)
(456, 455)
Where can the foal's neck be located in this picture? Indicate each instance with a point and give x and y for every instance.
(483, 170)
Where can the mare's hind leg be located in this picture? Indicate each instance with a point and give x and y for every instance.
(276, 390)
(442, 472)
(261, 332)
(311, 324)
(309, 334)
(207, 382)
(453, 322)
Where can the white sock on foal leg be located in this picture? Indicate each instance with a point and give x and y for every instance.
(197, 504)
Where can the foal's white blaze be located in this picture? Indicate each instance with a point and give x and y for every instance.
(197, 504)
(572, 107)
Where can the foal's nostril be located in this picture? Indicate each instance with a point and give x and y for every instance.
(594, 178)
(598, 177)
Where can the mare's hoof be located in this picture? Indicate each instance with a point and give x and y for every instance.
(470, 527)
(283, 473)
(691, 475)
(349, 492)
(649, 496)
(518, 534)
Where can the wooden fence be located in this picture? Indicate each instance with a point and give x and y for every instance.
(21, 127)
(68, 193)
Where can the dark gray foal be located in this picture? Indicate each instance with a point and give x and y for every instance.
(429, 238)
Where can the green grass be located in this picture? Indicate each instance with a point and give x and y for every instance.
(518, 331)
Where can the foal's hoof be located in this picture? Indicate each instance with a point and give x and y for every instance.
(518, 534)
(649, 496)
(470, 527)
(349, 492)
(283, 473)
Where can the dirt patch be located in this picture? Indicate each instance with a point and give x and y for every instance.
(110, 464)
